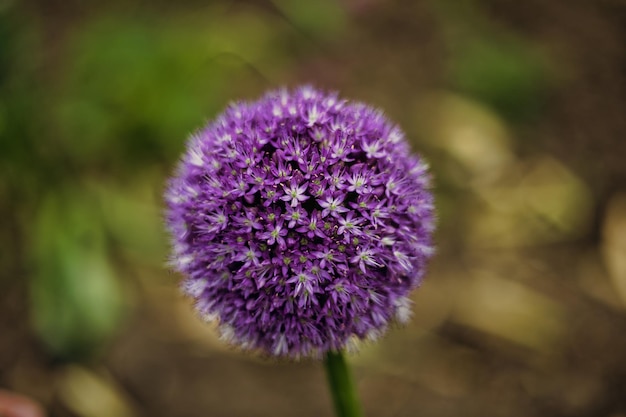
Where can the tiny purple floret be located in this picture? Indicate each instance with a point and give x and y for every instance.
(300, 222)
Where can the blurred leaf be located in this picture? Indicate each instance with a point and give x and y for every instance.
(91, 395)
(132, 215)
(127, 95)
(76, 300)
(614, 244)
(6, 34)
(491, 63)
(138, 87)
(558, 196)
(512, 311)
(502, 72)
(541, 201)
(473, 135)
(321, 18)
(19, 94)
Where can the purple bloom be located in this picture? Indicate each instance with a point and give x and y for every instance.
(295, 193)
(333, 206)
(300, 222)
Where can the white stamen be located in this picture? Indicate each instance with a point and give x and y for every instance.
(403, 309)
(195, 157)
(281, 346)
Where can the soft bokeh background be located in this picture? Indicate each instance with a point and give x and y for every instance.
(518, 105)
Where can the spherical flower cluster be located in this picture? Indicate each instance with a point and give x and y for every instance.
(301, 222)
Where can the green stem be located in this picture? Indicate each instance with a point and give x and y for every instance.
(341, 386)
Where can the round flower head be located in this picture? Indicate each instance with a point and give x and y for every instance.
(301, 222)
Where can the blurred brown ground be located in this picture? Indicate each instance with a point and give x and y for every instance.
(519, 107)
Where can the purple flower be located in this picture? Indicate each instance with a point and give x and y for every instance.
(300, 222)
(333, 206)
(295, 193)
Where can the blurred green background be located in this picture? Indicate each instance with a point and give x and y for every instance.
(518, 106)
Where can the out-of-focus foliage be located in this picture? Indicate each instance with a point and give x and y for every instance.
(76, 297)
(518, 106)
(503, 73)
(322, 19)
(18, 93)
(492, 65)
(132, 85)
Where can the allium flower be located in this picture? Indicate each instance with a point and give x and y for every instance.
(301, 222)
